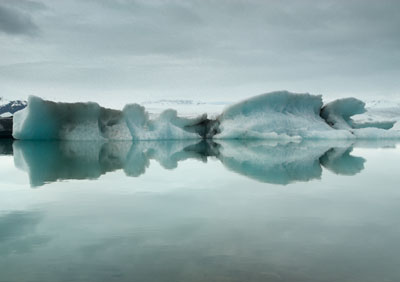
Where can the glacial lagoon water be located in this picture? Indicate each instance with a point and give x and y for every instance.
(200, 211)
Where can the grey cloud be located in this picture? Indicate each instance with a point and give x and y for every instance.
(249, 31)
(26, 5)
(228, 48)
(16, 18)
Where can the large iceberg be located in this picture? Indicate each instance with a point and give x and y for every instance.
(276, 115)
(46, 120)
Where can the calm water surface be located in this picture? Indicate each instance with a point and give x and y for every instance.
(199, 211)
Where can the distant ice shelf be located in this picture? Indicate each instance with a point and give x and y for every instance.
(275, 115)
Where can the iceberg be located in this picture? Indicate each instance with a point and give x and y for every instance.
(47, 120)
(378, 111)
(339, 113)
(279, 115)
(166, 126)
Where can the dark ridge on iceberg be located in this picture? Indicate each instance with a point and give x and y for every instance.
(339, 112)
(206, 128)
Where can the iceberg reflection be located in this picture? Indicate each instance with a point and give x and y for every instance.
(291, 162)
(48, 161)
(265, 161)
(339, 161)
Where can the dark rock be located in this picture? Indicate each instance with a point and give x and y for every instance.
(6, 125)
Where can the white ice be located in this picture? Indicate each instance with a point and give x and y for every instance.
(277, 115)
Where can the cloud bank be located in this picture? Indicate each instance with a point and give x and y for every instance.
(219, 50)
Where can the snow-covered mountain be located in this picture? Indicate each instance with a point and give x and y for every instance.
(8, 108)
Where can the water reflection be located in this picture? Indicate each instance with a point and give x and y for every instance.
(340, 161)
(6, 147)
(265, 161)
(285, 163)
(18, 233)
(51, 161)
(222, 228)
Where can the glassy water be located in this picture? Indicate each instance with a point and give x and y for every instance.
(199, 211)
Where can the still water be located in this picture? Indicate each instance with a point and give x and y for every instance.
(199, 211)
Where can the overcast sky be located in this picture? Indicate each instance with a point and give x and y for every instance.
(116, 52)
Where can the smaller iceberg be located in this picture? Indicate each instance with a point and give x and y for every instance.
(338, 114)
